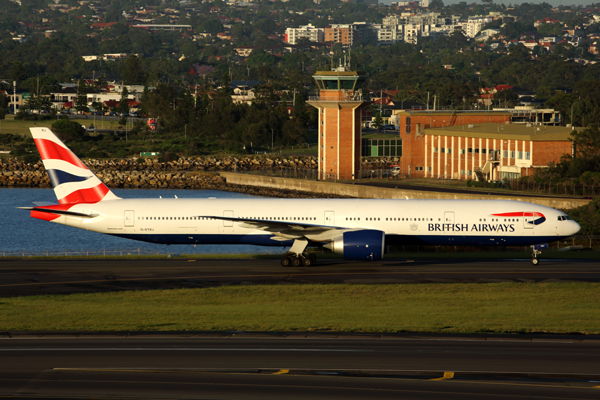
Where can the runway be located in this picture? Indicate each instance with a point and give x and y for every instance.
(299, 366)
(242, 365)
(22, 277)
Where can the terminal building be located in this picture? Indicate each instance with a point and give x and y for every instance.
(483, 151)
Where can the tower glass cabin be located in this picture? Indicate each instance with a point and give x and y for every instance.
(340, 103)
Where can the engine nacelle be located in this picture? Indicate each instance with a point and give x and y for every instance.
(362, 245)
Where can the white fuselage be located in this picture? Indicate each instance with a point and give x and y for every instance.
(436, 222)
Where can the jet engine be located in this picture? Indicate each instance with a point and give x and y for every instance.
(361, 245)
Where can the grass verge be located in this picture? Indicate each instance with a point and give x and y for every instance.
(565, 307)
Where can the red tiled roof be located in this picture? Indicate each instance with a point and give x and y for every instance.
(103, 25)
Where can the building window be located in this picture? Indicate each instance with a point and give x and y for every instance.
(407, 124)
(449, 151)
(527, 155)
(476, 151)
(443, 150)
(462, 171)
(505, 153)
(435, 149)
(512, 154)
(470, 150)
(520, 155)
(462, 151)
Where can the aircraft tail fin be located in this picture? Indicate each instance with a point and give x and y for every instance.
(73, 182)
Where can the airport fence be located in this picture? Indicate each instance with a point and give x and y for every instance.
(84, 253)
(575, 243)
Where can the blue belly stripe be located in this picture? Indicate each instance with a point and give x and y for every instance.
(265, 240)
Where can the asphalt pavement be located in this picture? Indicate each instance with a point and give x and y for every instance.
(299, 366)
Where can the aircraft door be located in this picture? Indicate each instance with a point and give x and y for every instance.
(330, 218)
(528, 219)
(129, 218)
(449, 217)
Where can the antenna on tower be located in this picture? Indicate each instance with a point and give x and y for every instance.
(349, 58)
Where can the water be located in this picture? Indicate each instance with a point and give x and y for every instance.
(19, 233)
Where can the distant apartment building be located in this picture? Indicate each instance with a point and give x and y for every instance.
(410, 27)
(313, 34)
(338, 33)
(474, 24)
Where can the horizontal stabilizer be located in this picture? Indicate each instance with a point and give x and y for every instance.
(60, 212)
(42, 203)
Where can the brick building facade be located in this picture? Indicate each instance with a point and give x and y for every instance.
(489, 150)
(340, 106)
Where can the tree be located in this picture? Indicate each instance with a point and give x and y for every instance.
(81, 103)
(3, 104)
(213, 26)
(203, 71)
(133, 73)
(377, 122)
(436, 5)
(18, 72)
(124, 102)
(506, 97)
(67, 129)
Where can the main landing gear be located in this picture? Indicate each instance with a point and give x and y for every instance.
(297, 257)
(303, 260)
(535, 252)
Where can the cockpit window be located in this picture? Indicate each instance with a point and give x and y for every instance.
(563, 218)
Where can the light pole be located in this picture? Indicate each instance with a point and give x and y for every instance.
(572, 124)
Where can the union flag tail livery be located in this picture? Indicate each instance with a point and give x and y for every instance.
(73, 182)
(358, 229)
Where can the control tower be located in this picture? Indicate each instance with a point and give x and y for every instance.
(340, 103)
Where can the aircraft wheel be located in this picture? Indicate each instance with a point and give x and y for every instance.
(286, 261)
(296, 262)
(535, 261)
(306, 262)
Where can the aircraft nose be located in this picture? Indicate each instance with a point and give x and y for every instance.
(574, 227)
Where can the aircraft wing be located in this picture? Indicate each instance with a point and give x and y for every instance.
(285, 230)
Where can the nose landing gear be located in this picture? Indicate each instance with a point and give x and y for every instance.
(536, 251)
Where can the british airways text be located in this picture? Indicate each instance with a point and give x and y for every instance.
(473, 228)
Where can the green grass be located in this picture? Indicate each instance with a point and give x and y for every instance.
(20, 127)
(450, 308)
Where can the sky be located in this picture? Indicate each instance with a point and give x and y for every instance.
(507, 2)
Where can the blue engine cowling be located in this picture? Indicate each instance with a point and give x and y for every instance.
(365, 245)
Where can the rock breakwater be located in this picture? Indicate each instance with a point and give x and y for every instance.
(184, 173)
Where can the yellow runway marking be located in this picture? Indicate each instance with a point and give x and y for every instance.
(447, 375)
(281, 371)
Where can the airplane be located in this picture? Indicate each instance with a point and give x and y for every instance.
(358, 229)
